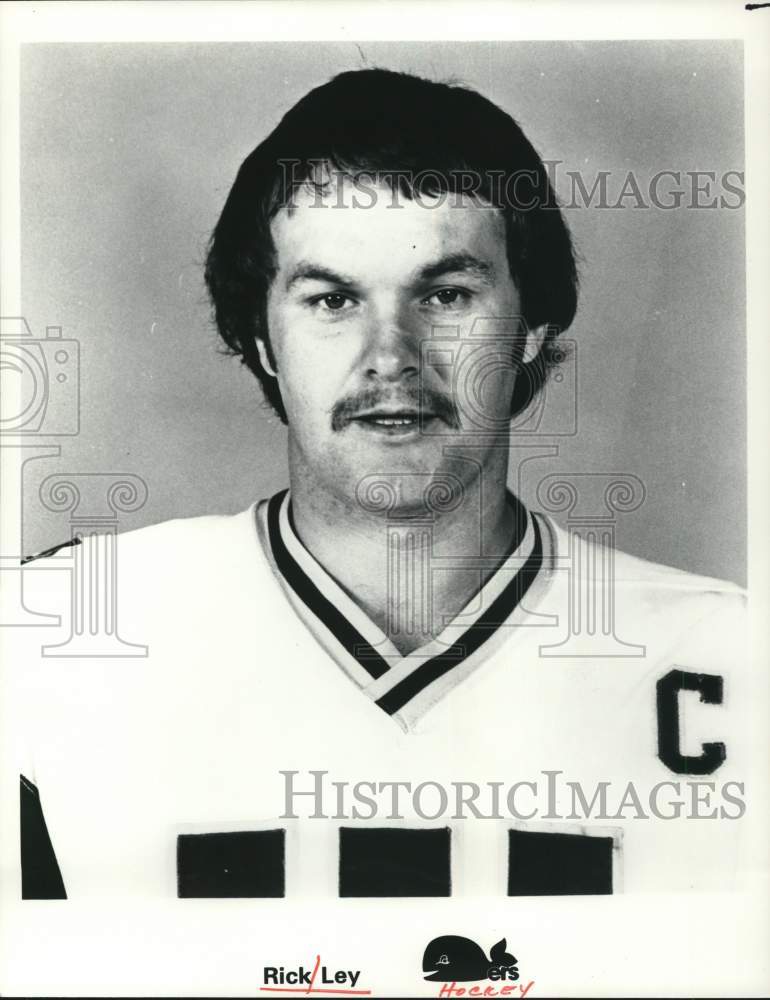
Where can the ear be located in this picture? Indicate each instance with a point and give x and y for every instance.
(533, 343)
(264, 357)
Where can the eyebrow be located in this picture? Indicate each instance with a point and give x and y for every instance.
(458, 262)
(305, 271)
(448, 264)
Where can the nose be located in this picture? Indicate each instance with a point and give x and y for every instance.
(392, 348)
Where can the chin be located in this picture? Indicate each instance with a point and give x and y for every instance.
(412, 492)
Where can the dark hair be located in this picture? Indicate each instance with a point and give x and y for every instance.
(422, 138)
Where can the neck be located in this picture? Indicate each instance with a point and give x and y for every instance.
(384, 562)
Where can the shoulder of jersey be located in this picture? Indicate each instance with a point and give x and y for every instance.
(173, 547)
(657, 585)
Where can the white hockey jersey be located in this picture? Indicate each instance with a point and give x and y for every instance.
(216, 717)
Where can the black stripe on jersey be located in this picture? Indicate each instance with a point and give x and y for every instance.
(546, 863)
(50, 552)
(497, 613)
(395, 862)
(40, 872)
(243, 864)
(374, 664)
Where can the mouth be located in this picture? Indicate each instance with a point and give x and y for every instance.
(395, 423)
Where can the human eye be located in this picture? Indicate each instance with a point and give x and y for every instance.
(331, 302)
(447, 299)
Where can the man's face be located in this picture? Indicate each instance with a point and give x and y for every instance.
(373, 387)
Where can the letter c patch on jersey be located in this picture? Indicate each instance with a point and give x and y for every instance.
(709, 686)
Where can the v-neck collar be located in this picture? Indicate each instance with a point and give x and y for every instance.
(404, 686)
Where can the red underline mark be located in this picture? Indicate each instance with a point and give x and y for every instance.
(293, 989)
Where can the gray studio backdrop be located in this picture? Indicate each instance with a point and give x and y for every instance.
(128, 152)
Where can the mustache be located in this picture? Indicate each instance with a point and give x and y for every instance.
(422, 399)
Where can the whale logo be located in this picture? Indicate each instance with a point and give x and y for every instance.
(451, 958)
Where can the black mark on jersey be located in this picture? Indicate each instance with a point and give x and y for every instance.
(40, 874)
(709, 687)
(558, 864)
(394, 862)
(50, 552)
(242, 864)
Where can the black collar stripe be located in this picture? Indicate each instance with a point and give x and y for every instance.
(497, 613)
(345, 633)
